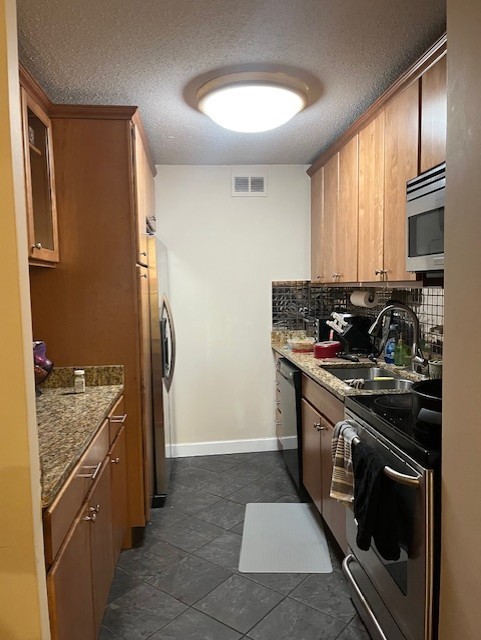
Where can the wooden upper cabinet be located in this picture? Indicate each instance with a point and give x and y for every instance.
(317, 197)
(401, 144)
(340, 215)
(433, 115)
(144, 192)
(39, 183)
(329, 222)
(371, 201)
(347, 218)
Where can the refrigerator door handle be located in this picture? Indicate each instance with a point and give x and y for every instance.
(169, 365)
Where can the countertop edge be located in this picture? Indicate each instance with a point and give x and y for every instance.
(47, 501)
(334, 385)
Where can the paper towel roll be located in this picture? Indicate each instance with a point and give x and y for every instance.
(364, 298)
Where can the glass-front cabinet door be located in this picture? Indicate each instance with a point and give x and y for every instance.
(40, 183)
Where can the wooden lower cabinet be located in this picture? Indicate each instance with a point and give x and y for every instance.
(80, 576)
(333, 512)
(79, 580)
(118, 476)
(311, 452)
(317, 432)
(101, 543)
(69, 586)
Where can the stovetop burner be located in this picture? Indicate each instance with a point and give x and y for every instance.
(392, 415)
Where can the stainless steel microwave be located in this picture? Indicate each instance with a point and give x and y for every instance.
(425, 220)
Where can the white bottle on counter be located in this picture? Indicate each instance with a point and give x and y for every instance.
(79, 381)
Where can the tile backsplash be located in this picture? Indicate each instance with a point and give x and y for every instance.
(294, 300)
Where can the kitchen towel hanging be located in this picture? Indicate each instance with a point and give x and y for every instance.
(375, 503)
(342, 482)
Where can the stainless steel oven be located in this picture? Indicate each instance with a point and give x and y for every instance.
(397, 599)
(425, 220)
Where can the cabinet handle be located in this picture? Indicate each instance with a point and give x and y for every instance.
(115, 460)
(92, 517)
(380, 272)
(117, 419)
(143, 275)
(319, 427)
(143, 253)
(278, 402)
(37, 245)
(95, 509)
(93, 475)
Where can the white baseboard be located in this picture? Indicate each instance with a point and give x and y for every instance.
(221, 447)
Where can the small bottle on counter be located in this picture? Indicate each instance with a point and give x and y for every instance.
(79, 381)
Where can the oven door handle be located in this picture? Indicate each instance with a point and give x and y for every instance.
(401, 478)
(347, 572)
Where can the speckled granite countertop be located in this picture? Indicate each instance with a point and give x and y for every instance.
(310, 366)
(67, 423)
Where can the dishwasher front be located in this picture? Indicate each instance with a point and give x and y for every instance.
(289, 429)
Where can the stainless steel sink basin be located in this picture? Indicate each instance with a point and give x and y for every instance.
(372, 377)
(398, 383)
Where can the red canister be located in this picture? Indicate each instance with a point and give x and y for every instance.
(327, 349)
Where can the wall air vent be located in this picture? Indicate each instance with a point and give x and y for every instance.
(249, 185)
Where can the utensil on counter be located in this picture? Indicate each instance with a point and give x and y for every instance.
(435, 369)
(348, 356)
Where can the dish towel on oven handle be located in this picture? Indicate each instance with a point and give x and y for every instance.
(342, 481)
(375, 503)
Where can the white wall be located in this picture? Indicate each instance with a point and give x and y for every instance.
(224, 253)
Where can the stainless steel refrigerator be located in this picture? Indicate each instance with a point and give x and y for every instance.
(162, 334)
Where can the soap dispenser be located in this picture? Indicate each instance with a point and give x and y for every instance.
(391, 344)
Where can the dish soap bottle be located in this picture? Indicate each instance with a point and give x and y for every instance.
(391, 344)
(400, 352)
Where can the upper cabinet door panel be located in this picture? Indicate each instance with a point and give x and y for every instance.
(144, 193)
(39, 182)
(401, 143)
(317, 197)
(347, 218)
(330, 213)
(433, 115)
(371, 200)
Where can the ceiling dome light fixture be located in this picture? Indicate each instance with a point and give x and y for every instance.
(251, 102)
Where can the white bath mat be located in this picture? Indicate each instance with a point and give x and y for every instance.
(283, 538)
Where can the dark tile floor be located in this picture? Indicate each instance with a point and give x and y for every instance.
(183, 583)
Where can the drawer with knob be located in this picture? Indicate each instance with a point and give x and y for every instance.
(57, 519)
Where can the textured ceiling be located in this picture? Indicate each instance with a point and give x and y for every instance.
(146, 52)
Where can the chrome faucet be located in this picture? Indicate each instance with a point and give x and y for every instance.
(417, 357)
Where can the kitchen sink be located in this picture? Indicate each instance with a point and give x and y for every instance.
(400, 384)
(374, 378)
